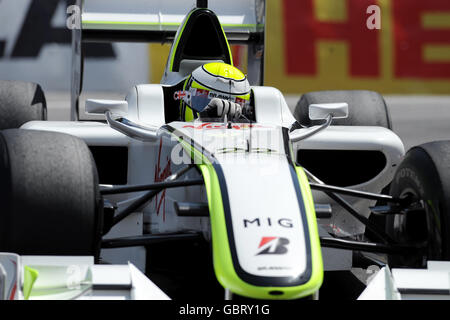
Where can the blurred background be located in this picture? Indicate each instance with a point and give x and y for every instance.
(311, 45)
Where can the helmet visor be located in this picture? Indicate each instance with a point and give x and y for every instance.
(198, 99)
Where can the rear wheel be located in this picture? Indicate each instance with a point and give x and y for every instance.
(365, 108)
(49, 194)
(425, 175)
(21, 102)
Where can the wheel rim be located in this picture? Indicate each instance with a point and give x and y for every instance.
(419, 228)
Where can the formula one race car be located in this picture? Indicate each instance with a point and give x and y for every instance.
(267, 201)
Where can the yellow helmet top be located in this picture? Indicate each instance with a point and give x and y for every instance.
(214, 80)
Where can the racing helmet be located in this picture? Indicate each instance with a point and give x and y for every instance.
(213, 80)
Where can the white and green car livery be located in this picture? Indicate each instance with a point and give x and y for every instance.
(260, 212)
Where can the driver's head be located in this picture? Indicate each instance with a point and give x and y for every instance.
(214, 80)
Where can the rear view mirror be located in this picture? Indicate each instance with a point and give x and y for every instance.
(323, 110)
(101, 106)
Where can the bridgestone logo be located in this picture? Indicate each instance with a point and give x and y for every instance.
(407, 173)
(273, 245)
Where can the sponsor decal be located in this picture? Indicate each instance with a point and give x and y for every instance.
(389, 46)
(240, 101)
(188, 96)
(180, 95)
(210, 125)
(203, 93)
(160, 175)
(258, 222)
(414, 26)
(270, 268)
(14, 283)
(273, 245)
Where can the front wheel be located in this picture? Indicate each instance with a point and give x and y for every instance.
(49, 195)
(425, 175)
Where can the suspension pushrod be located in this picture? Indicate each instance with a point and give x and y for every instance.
(381, 235)
(139, 202)
(354, 193)
(153, 186)
(148, 239)
(367, 246)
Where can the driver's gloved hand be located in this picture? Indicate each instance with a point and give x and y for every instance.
(218, 108)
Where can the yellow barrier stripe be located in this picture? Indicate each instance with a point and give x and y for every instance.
(436, 53)
(436, 20)
(330, 11)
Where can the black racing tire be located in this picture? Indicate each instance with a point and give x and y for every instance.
(365, 108)
(424, 174)
(21, 102)
(49, 195)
